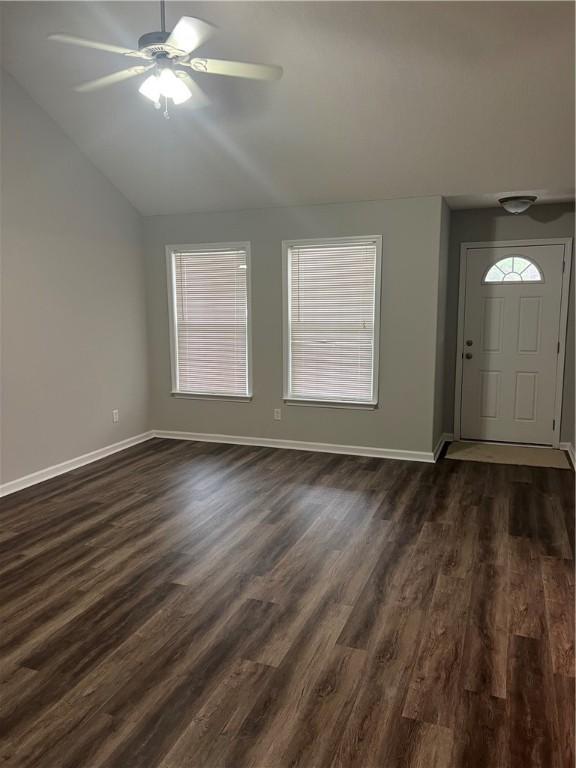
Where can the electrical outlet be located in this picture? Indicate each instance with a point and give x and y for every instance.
(115, 416)
(277, 414)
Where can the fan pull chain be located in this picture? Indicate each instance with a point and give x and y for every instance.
(166, 113)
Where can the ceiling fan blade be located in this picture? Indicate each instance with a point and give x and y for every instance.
(115, 77)
(81, 41)
(189, 34)
(237, 69)
(199, 98)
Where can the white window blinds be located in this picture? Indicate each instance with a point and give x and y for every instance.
(331, 326)
(210, 320)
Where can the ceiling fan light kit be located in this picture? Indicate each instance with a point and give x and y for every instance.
(165, 85)
(167, 53)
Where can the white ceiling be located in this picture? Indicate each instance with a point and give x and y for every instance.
(378, 100)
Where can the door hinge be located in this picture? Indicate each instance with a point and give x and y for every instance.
(563, 264)
(558, 348)
(553, 423)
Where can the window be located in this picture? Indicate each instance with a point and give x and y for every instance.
(513, 269)
(331, 324)
(210, 319)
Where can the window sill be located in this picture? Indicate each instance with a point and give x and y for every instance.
(331, 404)
(200, 396)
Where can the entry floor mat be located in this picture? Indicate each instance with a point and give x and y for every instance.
(523, 455)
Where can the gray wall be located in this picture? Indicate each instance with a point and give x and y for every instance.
(486, 224)
(73, 321)
(73, 332)
(440, 373)
(411, 243)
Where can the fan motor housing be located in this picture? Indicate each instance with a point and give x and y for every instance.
(154, 43)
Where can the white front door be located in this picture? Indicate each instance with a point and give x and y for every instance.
(511, 342)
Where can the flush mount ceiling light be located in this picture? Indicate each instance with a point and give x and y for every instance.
(168, 54)
(517, 203)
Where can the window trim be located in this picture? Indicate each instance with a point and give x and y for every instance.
(533, 262)
(288, 398)
(171, 251)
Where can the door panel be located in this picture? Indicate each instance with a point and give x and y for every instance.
(525, 400)
(490, 382)
(492, 317)
(511, 331)
(529, 324)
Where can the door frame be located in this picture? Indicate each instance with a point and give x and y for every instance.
(564, 300)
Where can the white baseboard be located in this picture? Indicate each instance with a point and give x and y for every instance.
(67, 466)
(269, 442)
(446, 437)
(264, 442)
(570, 448)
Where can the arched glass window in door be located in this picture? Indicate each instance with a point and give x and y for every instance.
(513, 269)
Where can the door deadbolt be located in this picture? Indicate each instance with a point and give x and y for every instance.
(469, 342)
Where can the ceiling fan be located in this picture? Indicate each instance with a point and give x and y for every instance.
(168, 54)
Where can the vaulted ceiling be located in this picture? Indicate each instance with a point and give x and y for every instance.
(378, 99)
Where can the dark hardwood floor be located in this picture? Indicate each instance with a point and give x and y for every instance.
(189, 605)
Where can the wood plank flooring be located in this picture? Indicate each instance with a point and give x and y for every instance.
(188, 605)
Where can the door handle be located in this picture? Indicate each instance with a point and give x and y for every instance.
(469, 355)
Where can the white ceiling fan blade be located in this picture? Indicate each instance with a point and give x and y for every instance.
(115, 77)
(237, 69)
(81, 41)
(189, 34)
(198, 98)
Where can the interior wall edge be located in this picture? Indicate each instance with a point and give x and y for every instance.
(569, 448)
